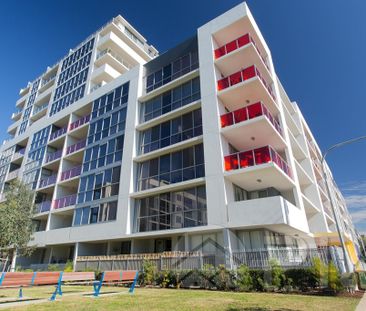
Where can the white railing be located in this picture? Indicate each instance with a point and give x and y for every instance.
(115, 56)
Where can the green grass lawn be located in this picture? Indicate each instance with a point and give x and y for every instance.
(171, 299)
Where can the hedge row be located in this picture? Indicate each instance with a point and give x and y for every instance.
(317, 277)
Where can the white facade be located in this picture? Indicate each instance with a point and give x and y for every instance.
(271, 196)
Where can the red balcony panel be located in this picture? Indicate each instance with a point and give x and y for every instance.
(255, 110)
(231, 162)
(220, 52)
(246, 159)
(240, 115)
(244, 40)
(235, 78)
(256, 157)
(249, 72)
(231, 46)
(223, 84)
(262, 155)
(227, 119)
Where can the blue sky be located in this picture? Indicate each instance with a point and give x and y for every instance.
(318, 48)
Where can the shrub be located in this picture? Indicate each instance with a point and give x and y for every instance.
(53, 267)
(224, 278)
(319, 271)
(300, 278)
(257, 276)
(149, 272)
(334, 278)
(69, 266)
(278, 278)
(244, 280)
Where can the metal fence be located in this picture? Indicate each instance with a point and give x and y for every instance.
(257, 259)
(162, 262)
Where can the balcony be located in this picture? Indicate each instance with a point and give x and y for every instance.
(46, 83)
(104, 73)
(238, 53)
(258, 125)
(113, 59)
(58, 133)
(76, 147)
(16, 115)
(48, 181)
(71, 173)
(18, 154)
(38, 112)
(249, 85)
(263, 165)
(53, 156)
(43, 207)
(266, 211)
(13, 174)
(64, 201)
(79, 122)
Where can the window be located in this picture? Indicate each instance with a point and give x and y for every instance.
(102, 155)
(172, 71)
(97, 214)
(241, 195)
(100, 185)
(172, 210)
(175, 167)
(72, 78)
(171, 100)
(171, 132)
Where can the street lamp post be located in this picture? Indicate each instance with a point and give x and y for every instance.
(348, 265)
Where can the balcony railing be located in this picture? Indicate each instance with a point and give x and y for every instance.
(58, 133)
(236, 44)
(53, 156)
(16, 113)
(75, 171)
(45, 81)
(64, 201)
(75, 147)
(50, 180)
(247, 113)
(13, 174)
(115, 56)
(244, 159)
(37, 109)
(243, 75)
(79, 122)
(18, 154)
(44, 206)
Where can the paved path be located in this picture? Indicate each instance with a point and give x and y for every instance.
(362, 304)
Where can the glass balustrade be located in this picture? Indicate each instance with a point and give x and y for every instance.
(237, 44)
(244, 159)
(243, 75)
(58, 133)
(53, 156)
(247, 113)
(50, 180)
(64, 201)
(75, 171)
(79, 122)
(44, 206)
(75, 147)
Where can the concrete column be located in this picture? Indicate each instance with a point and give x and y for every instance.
(14, 260)
(76, 252)
(229, 238)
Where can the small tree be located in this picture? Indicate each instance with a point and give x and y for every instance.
(16, 224)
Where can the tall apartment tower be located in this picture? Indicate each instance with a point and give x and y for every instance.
(129, 151)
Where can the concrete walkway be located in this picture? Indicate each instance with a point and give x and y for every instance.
(362, 304)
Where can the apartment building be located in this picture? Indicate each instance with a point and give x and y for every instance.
(132, 152)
